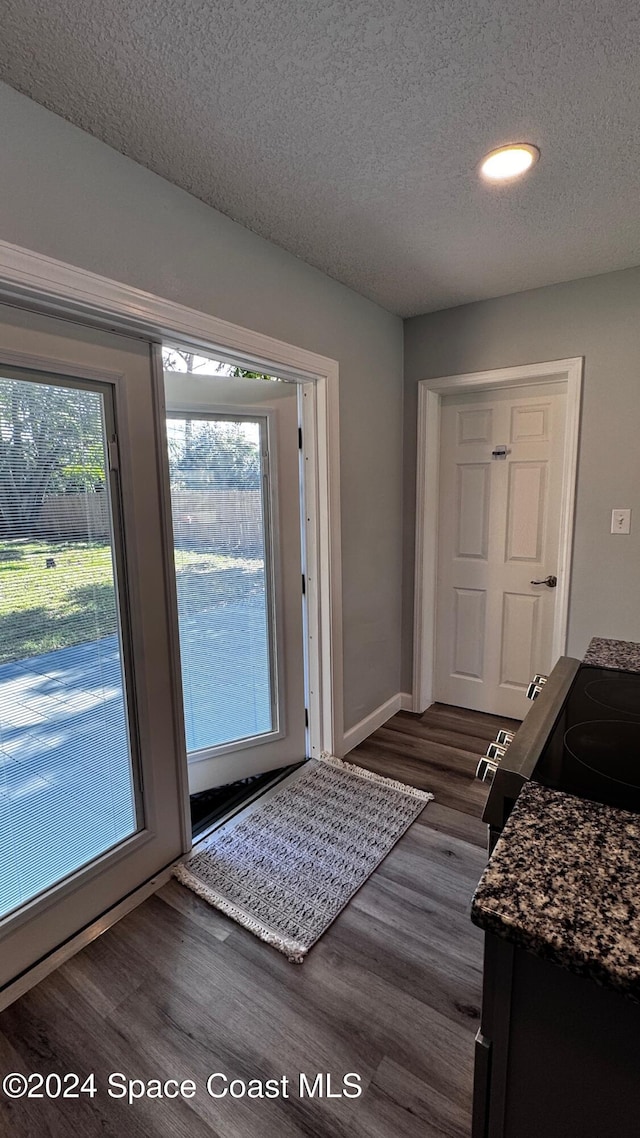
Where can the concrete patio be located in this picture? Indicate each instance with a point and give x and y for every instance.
(65, 780)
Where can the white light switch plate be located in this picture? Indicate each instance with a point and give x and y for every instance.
(621, 521)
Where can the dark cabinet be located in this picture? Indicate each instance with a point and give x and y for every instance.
(557, 1056)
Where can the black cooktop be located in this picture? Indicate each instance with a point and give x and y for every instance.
(594, 748)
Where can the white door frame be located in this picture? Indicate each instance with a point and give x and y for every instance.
(55, 287)
(430, 393)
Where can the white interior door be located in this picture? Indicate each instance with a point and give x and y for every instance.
(498, 531)
(90, 797)
(234, 462)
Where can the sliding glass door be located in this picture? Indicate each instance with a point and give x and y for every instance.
(68, 764)
(91, 786)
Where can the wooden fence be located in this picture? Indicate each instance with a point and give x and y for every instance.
(226, 520)
(84, 516)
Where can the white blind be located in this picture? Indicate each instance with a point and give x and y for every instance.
(221, 574)
(66, 785)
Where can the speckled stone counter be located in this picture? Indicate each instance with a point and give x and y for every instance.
(623, 654)
(564, 883)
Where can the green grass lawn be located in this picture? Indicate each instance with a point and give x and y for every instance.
(43, 609)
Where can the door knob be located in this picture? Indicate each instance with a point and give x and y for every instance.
(551, 581)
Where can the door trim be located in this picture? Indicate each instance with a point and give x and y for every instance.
(430, 393)
(57, 288)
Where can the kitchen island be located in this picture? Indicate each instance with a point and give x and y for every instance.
(558, 1053)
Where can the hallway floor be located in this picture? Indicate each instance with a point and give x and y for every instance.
(391, 991)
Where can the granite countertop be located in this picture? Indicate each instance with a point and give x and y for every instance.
(623, 654)
(564, 883)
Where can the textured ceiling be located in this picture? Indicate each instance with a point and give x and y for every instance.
(349, 131)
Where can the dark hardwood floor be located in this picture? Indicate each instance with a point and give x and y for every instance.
(391, 992)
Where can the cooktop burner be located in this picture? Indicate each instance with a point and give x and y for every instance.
(593, 749)
(608, 748)
(622, 694)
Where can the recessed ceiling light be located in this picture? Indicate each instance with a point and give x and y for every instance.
(509, 161)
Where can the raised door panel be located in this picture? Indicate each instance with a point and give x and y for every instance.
(469, 626)
(526, 508)
(530, 424)
(519, 635)
(473, 510)
(475, 425)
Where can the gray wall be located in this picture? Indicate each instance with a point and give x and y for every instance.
(598, 318)
(69, 196)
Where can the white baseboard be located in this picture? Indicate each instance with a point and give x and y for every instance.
(398, 702)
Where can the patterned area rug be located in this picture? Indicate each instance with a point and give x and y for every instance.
(285, 867)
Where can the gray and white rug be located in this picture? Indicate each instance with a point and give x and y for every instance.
(285, 867)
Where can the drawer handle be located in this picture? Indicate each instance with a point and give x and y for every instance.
(486, 768)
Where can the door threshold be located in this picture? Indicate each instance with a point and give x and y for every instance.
(49, 963)
(237, 796)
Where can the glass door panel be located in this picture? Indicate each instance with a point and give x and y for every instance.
(92, 770)
(223, 577)
(67, 786)
(234, 461)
